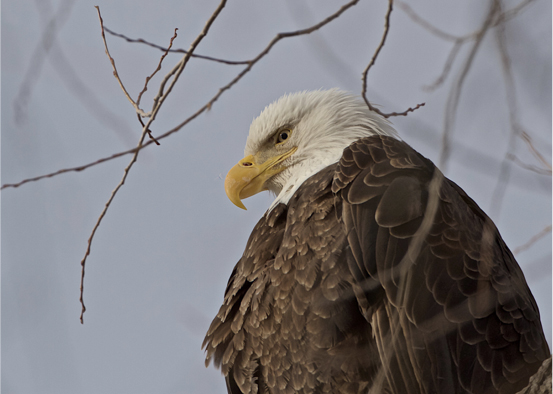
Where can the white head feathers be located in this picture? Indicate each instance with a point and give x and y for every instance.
(323, 124)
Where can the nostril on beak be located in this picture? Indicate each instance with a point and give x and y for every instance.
(246, 163)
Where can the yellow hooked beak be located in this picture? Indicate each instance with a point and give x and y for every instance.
(248, 177)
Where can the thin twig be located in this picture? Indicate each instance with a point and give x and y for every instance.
(154, 140)
(32, 75)
(529, 167)
(146, 86)
(457, 40)
(447, 67)
(371, 63)
(375, 55)
(254, 61)
(157, 69)
(145, 129)
(89, 243)
(503, 17)
(532, 240)
(205, 107)
(115, 73)
(526, 138)
(428, 26)
(142, 41)
(515, 128)
(71, 169)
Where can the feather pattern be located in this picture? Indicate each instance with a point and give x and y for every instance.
(328, 296)
(371, 272)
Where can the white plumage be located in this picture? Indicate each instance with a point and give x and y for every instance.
(324, 122)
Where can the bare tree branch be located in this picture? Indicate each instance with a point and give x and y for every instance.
(115, 73)
(157, 69)
(145, 130)
(254, 61)
(176, 71)
(532, 240)
(512, 105)
(205, 107)
(529, 167)
(455, 92)
(526, 138)
(71, 169)
(77, 86)
(32, 75)
(457, 40)
(169, 50)
(447, 67)
(371, 63)
(376, 52)
(427, 25)
(503, 17)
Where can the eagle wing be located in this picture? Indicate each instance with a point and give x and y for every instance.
(449, 306)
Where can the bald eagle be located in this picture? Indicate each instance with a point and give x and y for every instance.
(371, 272)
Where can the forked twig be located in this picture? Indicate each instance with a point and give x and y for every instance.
(157, 69)
(458, 40)
(254, 61)
(115, 73)
(41, 51)
(145, 129)
(529, 167)
(526, 138)
(148, 80)
(163, 94)
(371, 63)
(205, 107)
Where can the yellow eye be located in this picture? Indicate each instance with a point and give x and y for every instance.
(283, 136)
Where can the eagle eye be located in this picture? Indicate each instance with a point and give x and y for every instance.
(283, 136)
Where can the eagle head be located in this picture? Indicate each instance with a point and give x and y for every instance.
(297, 136)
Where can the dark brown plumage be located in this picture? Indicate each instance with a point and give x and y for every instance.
(378, 276)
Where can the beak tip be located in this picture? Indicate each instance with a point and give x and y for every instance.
(237, 201)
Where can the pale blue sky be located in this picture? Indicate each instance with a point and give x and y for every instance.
(162, 256)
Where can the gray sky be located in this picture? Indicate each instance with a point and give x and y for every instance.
(162, 256)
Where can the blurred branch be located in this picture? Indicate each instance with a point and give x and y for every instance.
(526, 138)
(77, 86)
(512, 107)
(169, 50)
(457, 40)
(447, 67)
(455, 92)
(532, 240)
(502, 17)
(371, 63)
(42, 49)
(427, 25)
(529, 167)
